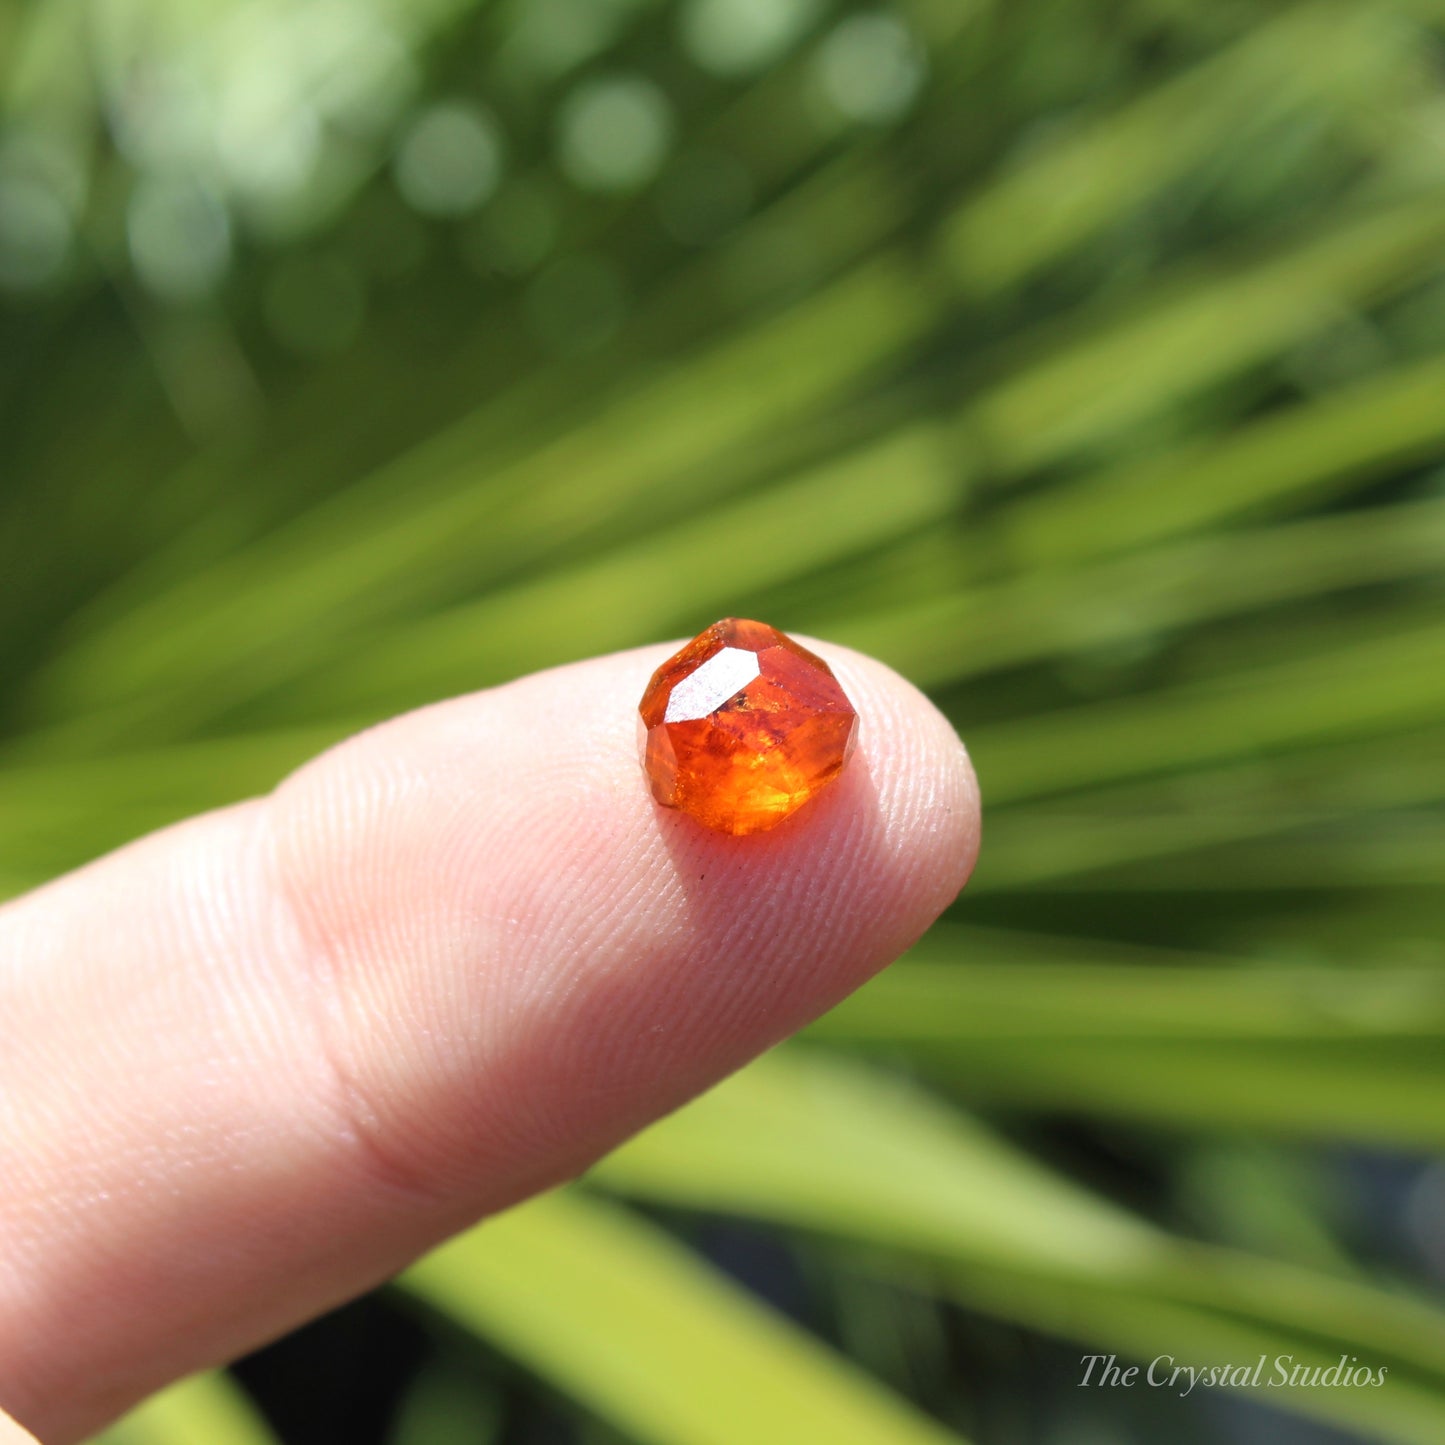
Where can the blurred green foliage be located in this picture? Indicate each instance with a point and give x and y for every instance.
(1084, 359)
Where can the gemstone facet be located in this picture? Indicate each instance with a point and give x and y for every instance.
(743, 726)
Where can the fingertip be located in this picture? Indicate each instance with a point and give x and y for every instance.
(928, 803)
(857, 874)
(524, 941)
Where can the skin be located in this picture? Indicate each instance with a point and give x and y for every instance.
(254, 1064)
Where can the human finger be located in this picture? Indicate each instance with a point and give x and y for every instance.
(255, 1063)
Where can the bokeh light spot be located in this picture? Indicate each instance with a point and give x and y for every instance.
(871, 67)
(162, 115)
(449, 160)
(42, 191)
(354, 62)
(742, 37)
(268, 141)
(35, 232)
(613, 133)
(180, 237)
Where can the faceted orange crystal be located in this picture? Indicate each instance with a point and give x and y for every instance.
(743, 726)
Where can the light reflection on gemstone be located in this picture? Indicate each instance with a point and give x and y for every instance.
(707, 689)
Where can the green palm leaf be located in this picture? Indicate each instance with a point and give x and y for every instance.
(627, 1321)
(205, 1407)
(806, 1141)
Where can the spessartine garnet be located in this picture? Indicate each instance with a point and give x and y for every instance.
(743, 726)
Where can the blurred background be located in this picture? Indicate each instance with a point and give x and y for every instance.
(1084, 359)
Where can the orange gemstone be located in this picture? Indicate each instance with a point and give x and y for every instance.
(743, 726)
